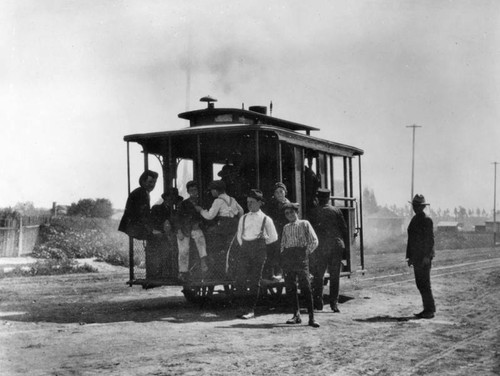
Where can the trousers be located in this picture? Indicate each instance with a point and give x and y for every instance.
(325, 257)
(251, 261)
(423, 281)
(199, 240)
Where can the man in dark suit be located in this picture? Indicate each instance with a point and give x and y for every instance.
(420, 252)
(136, 221)
(331, 228)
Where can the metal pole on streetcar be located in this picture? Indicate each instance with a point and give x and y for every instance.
(414, 126)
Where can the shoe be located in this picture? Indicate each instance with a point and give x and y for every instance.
(294, 320)
(425, 315)
(334, 307)
(313, 323)
(247, 316)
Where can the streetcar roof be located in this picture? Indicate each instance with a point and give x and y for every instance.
(284, 135)
(225, 116)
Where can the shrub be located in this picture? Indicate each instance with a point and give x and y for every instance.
(75, 237)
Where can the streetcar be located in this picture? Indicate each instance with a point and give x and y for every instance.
(261, 150)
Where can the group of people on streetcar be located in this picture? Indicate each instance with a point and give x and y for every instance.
(273, 241)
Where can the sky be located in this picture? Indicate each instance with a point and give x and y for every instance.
(76, 76)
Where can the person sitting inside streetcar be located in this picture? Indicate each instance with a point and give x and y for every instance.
(225, 211)
(160, 250)
(189, 227)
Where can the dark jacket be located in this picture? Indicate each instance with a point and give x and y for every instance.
(329, 224)
(136, 221)
(161, 213)
(420, 238)
(187, 216)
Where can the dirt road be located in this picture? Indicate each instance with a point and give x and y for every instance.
(94, 324)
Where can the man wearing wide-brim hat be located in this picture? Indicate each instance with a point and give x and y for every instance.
(420, 252)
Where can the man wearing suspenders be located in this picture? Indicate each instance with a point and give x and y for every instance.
(255, 231)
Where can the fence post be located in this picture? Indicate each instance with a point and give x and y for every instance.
(20, 248)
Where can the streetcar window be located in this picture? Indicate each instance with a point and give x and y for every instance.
(184, 174)
(338, 176)
(216, 168)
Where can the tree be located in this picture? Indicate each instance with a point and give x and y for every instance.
(102, 208)
(369, 201)
(87, 207)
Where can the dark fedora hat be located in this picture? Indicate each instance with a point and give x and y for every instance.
(419, 200)
(324, 193)
(256, 194)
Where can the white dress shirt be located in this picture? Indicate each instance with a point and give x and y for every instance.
(253, 226)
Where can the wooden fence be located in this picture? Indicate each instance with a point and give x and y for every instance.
(19, 234)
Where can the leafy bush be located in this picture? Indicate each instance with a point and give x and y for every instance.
(75, 237)
(87, 207)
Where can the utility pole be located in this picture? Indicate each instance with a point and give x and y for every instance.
(495, 206)
(413, 157)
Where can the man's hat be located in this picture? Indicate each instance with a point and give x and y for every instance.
(419, 200)
(280, 185)
(256, 194)
(291, 205)
(324, 193)
(227, 170)
(171, 192)
(218, 185)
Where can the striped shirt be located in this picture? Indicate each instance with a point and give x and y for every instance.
(299, 234)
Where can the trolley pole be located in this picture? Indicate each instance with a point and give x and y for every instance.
(495, 205)
(413, 158)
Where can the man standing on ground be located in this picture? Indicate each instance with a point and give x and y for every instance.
(420, 252)
(331, 228)
(255, 231)
(297, 242)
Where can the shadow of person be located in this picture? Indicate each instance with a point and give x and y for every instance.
(386, 318)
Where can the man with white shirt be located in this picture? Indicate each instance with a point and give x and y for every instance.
(255, 231)
(224, 212)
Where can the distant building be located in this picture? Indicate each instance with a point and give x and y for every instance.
(449, 226)
(490, 226)
(480, 228)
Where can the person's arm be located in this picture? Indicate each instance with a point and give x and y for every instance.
(312, 238)
(239, 233)
(240, 209)
(272, 235)
(214, 210)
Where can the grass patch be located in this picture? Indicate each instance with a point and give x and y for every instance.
(49, 267)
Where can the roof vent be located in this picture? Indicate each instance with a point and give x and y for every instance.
(260, 109)
(210, 101)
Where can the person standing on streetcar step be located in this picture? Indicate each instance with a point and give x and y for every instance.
(420, 252)
(189, 227)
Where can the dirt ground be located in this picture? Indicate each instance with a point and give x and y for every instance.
(94, 324)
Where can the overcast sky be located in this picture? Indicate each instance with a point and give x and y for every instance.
(76, 76)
